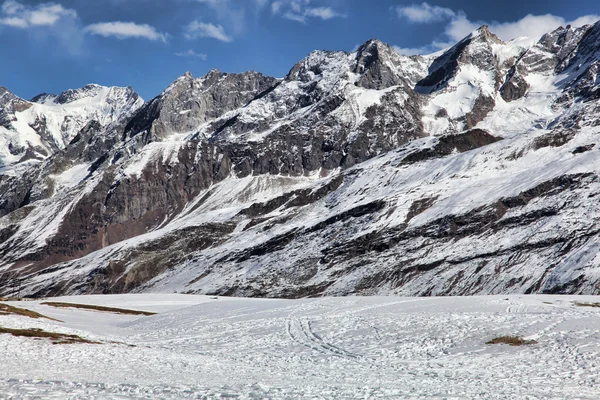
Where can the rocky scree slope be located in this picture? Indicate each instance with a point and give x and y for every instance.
(470, 171)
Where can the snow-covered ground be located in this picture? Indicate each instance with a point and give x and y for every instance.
(353, 347)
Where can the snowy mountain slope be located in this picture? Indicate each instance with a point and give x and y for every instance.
(472, 171)
(353, 347)
(38, 129)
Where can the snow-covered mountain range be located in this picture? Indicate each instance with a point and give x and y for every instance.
(474, 170)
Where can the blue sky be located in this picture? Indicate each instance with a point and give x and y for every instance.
(62, 44)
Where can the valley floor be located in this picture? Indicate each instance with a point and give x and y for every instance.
(354, 347)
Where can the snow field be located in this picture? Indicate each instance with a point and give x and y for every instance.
(354, 347)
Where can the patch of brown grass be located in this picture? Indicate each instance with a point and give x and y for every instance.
(512, 341)
(98, 308)
(56, 338)
(16, 299)
(5, 309)
(579, 304)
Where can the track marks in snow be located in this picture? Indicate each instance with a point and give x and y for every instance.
(302, 332)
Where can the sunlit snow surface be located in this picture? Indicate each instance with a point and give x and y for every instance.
(356, 347)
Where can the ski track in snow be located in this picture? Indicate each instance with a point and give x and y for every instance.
(356, 347)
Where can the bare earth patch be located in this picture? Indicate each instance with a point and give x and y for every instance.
(579, 304)
(5, 309)
(512, 341)
(56, 338)
(98, 308)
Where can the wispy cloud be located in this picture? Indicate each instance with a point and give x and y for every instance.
(192, 54)
(458, 25)
(232, 13)
(424, 13)
(228, 18)
(197, 29)
(535, 26)
(324, 13)
(17, 15)
(261, 3)
(125, 30)
(303, 10)
(12, 7)
(45, 22)
(52, 21)
(411, 51)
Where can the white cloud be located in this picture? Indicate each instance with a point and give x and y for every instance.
(410, 51)
(191, 53)
(423, 13)
(64, 24)
(17, 15)
(303, 10)
(125, 30)
(49, 14)
(276, 7)
(11, 7)
(198, 29)
(14, 22)
(534, 26)
(459, 26)
(324, 13)
(49, 22)
(295, 17)
(232, 14)
(585, 20)
(213, 3)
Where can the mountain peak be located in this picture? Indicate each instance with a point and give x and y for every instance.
(10, 103)
(5, 94)
(484, 30)
(43, 98)
(318, 62)
(7, 97)
(71, 95)
(371, 43)
(378, 64)
(212, 76)
(484, 33)
(475, 48)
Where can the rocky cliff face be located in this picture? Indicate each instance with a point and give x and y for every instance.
(472, 171)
